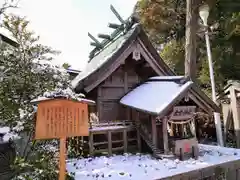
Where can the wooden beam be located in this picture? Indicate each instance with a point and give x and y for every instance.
(90, 143)
(165, 135)
(120, 60)
(226, 110)
(109, 143)
(94, 39)
(95, 45)
(125, 140)
(125, 78)
(235, 112)
(154, 131)
(104, 36)
(192, 97)
(138, 134)
(148, 57)
(62, 161)
(114, 26)
(117, 14)
(99, 105)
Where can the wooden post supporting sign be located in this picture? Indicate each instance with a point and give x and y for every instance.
(62, 162)
(59, 119)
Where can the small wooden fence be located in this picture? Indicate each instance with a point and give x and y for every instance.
(225, 171)
(106, 138)
(112, 137)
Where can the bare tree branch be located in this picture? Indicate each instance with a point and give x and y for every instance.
(7, 5)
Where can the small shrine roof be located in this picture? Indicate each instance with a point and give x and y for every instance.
(158, 94)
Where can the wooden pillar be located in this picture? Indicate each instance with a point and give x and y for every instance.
(236, 118)
(90, 143)
(193, 128)
(126, 89)
(226, 110)
(99, 104)
(172, 129)
(109, 143)
(154, 131)
(165, 135)
(138, 134)
(125, 140)
(62, 168)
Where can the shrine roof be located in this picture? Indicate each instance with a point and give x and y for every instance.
(158, 94)
(106, 54)
(6, 36)
(235, 84)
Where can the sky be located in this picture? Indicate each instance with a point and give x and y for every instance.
(64, 24)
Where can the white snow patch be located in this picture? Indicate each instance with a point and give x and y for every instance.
(154, 96)
(166, 78)
(106, 128)
(145, 167)
(7, 134)
(4, 130)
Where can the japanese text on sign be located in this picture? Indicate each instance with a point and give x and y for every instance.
(61, 118)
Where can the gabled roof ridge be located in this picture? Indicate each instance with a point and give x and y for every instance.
(129, 24)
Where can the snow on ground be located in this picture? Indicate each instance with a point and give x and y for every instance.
(145, 167)
(7, 135)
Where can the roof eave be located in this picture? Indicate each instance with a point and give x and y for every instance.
(164, 111)
(9, 41)
(206, 99)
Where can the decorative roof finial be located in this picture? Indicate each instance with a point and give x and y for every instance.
(117, 14)
(118, 29)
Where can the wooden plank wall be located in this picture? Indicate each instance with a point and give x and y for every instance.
(110, 92)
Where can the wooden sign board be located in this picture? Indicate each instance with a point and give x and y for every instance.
(182, 112)
(61, 118)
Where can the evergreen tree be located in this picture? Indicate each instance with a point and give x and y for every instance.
(164, 22)
(27, 74)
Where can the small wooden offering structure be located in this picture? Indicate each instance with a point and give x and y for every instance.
(61, 118)
(230, 103)
(182, 131)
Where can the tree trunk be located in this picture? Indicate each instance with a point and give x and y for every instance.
(190, 46)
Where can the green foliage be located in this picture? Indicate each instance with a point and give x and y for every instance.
(66, 65)
(164, 21)
(27, 74)
(173, 55)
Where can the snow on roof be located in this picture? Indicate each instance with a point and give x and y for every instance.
(4, 32)
(100, 59)
(155, 96)
(73, 71)
(145, 167)
(167, 78)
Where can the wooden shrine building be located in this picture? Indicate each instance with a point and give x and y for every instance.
(230, 101)
(129, 81)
